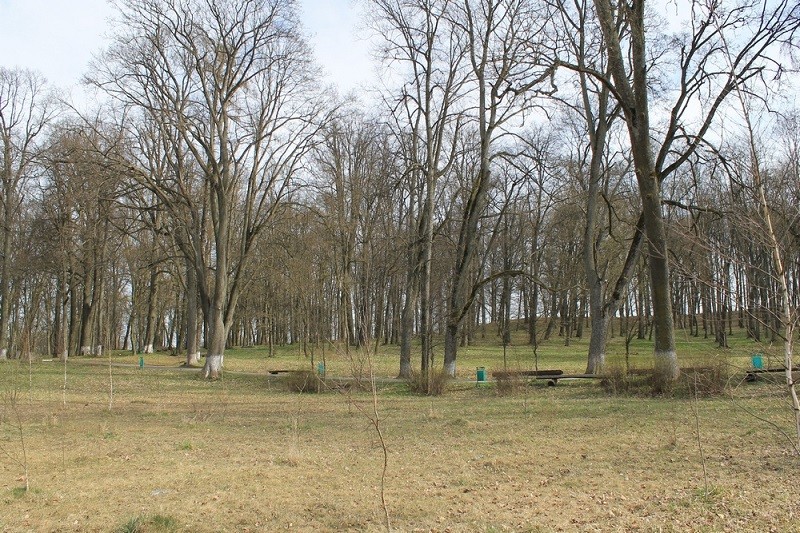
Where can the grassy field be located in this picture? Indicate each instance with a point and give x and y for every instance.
(170, 452)
(485, 352)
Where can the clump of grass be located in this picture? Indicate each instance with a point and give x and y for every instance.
(304, 381)
(161, 523)
(133, 525)
(154, 524)
(708, 496)
(434, 385)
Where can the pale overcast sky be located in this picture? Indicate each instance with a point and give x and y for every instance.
(58, 37)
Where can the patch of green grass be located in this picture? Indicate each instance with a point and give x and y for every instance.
(165, 524)
(708, 496)
(133, 525)
(143, 524)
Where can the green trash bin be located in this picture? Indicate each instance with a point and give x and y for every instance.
(758, 361)
(141, 362)
(480, 374)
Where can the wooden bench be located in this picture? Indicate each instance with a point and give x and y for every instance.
(552, 376)
(510, 374)
(752, 375)
(552, 381)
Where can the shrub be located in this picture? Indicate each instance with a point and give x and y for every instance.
(435, 385)
(631, 381)
(304, 381)
(709, 379)
(508, 382)
(615, 379)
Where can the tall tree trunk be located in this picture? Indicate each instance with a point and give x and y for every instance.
(86, 313)
(633, 95)
(216, 343)
(219, 300)
(61, 332)
(407, 327)
(152, 311)
(5, 271)
(192, 340)
(666, 358)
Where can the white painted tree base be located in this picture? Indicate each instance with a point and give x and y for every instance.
(213, 366)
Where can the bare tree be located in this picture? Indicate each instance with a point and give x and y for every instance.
(597, 164)
(26, 109)
(427, 116)
(228, 86)
(704, 81)
(787, 314)
(80, 191)
(507, 73)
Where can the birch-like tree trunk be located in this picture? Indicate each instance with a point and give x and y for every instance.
(786, 315)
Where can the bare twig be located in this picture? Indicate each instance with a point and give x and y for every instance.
(376, 423)
(775, 426)
(110, 383)
(697, 435)
(374, 418)
(10, 401)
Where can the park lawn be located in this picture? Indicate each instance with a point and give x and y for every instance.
(485, 352)
(170, 452)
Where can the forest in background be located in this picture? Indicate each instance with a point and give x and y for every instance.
(525, 163)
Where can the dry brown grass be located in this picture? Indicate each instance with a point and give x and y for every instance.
(242, 454)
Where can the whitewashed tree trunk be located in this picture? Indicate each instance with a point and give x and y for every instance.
(213, 366)
(216, 346)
